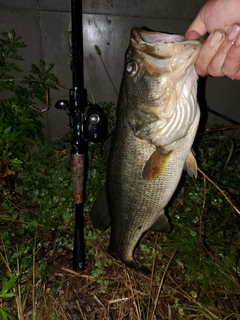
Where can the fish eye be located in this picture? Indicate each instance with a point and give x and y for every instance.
(131, 68)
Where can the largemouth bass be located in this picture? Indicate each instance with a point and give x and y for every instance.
(156, 123)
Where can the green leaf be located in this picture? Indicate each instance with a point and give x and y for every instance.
(7, 295)
(8, 284)
(35, 69)
(5, 315)
(6, 133)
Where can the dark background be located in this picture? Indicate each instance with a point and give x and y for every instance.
(44, 26)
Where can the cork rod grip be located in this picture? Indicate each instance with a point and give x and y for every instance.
(77, 167)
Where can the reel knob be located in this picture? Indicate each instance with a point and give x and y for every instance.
(95, 124)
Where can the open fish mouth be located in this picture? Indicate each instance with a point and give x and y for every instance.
(162, 45)
(141, 35)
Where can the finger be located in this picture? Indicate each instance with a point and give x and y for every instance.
(215, 68)
(231, 65)
(192, 35)
(208, 51)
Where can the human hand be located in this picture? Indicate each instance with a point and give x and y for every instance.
(220, 54)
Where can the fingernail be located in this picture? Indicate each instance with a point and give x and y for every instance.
(237, 42)
(216, 38)
(233, 32)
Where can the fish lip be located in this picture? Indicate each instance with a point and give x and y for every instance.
(145, 36)
(142, 36)
(162, 46)
(136, 35)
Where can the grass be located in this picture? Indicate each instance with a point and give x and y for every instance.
(195, 269)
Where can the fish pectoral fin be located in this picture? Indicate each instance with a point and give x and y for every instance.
(163, 224)
(99, 213)
(190, 164)
(155, 164)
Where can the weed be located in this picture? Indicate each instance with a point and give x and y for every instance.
(8, 284)
(19, 123)
(205, 239)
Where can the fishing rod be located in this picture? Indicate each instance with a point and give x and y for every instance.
(89, 124)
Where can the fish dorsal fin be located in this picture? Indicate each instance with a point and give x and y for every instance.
(155, 164)
(99, 213)
(163, 224)
(190, 165)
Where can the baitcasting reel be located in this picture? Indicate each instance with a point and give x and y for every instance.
(94, 125)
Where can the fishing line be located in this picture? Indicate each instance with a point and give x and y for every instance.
(98, 51)
(220, 190)
(93, 91)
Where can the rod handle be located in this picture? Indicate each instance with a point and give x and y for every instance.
(77, 168)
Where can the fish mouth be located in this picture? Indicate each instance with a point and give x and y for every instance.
(142, 36)
(164, 46)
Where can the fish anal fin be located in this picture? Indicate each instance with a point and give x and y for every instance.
(155, 164)
(99, 213)
(163, 224)
(191, 165)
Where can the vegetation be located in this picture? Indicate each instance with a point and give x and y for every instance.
(20, 126)
(195, 269)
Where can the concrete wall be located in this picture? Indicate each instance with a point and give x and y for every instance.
(44, 26)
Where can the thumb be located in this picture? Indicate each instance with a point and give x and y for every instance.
(192, 35)
(197, 28)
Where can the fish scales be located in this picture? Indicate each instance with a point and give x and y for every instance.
(135, 203)
(146, 158)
